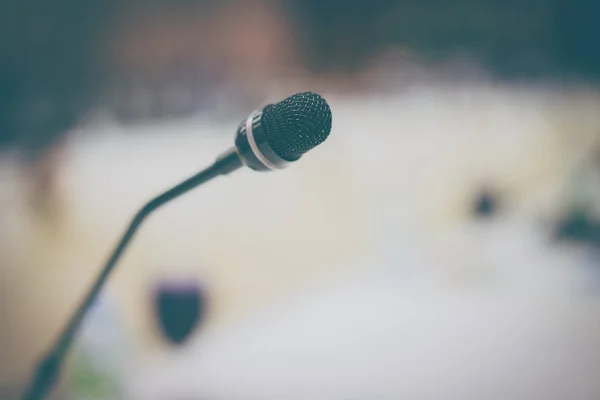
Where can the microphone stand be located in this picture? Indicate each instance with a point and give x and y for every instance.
(48, 369)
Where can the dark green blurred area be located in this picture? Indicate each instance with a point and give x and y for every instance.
(55, 57)
(52, 67)
(511, 37)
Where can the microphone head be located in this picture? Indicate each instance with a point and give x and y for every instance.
(280, 133)
(297, 124)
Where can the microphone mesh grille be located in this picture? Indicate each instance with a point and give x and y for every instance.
(297, 124)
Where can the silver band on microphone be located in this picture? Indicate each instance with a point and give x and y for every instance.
(270, 160)
(252, 145)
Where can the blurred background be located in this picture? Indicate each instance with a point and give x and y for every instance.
(443, 242)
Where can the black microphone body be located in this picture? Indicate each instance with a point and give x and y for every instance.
(268, 139)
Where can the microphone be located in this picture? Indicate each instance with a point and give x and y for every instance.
(280, 133)
(270, 138)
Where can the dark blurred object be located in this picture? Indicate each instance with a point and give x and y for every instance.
(513, 38)
(53, 61)
(579, 226)
(180, 308)
(576, 36)
(339, 33)
(485, 204)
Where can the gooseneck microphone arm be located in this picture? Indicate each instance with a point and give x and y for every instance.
(268, 139)
(48, 369)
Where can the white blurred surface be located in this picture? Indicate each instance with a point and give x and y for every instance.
(356, 273)
(527, 327)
